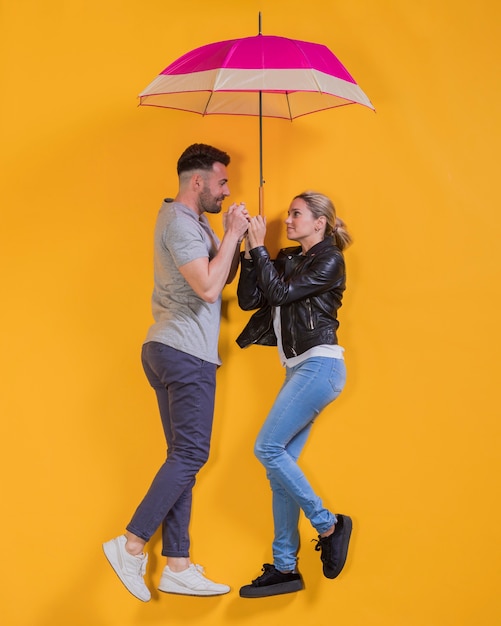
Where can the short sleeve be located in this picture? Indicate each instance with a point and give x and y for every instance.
(185, 240)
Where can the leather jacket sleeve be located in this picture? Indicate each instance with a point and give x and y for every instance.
(249, 295)
(318, 274)
(260, 326)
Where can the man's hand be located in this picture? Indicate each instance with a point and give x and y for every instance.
(207, 278)
(231, 219)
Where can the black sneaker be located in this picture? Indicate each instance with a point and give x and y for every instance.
(335, 547)
(272, 582)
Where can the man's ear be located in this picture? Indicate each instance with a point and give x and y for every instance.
(197, 182)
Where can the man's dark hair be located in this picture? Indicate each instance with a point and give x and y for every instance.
(200, 156)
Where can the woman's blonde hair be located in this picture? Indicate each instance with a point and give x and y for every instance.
(320, 205)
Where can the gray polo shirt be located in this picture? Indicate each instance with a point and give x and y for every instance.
(182, 319)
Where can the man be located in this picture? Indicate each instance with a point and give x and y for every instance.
(180, 358)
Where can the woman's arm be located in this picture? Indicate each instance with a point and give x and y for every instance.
(249, 295)
(322, 273)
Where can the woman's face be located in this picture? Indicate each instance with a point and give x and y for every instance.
(301, 225)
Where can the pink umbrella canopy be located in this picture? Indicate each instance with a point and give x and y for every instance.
(294, 77)
(264, 75)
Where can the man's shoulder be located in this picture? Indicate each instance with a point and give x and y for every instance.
(176, 218)
(172, 211)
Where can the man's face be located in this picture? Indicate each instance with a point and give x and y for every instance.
(214, 189)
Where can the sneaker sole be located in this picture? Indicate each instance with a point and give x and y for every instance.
(111, 552)
(180, 590)
(249, 591)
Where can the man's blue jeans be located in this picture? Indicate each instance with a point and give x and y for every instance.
(185, 388)
(308, 388)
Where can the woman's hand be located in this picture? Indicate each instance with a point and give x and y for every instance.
(256, 231)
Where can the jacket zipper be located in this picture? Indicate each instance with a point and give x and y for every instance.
(310, 314)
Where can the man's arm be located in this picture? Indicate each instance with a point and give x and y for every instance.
(207, 278)
(234, 265)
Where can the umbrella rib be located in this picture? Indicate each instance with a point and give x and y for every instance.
(288, 104)
(207, 103)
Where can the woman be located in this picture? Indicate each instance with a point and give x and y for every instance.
(298, 296)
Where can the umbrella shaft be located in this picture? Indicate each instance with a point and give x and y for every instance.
(261, 181)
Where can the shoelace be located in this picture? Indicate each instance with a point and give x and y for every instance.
(324, 547)
(268, 572)
(142, 565)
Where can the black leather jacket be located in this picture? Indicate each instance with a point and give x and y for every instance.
(307, 288)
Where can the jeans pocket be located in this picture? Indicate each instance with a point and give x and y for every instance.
(337, 376)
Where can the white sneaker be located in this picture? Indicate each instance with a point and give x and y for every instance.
(190, 582)
(129, 568)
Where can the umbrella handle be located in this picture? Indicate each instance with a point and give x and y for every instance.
(261, 200)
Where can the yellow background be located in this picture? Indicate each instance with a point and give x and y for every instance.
(410, 450)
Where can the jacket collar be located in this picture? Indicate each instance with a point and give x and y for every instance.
(318, 247)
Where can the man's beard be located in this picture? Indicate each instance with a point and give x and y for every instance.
(208, 203)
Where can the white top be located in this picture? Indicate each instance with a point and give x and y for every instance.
(331, 351)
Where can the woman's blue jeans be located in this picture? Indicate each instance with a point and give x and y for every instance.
(308, 388)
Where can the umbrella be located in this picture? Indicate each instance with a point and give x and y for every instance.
(264, 75)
